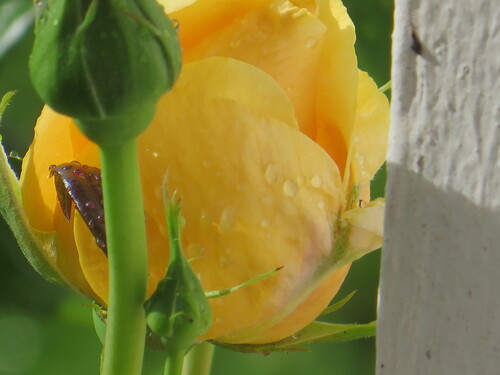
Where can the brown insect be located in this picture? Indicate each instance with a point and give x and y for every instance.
(80, 184)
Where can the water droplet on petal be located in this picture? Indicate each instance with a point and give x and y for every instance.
(101, 243)
(311, 42)
(271, 173)
(290, 188)
(90, 205)
(316, 181)
(264, 223)
(227, 220)
(360, 158)
(14, 155)
(206, 219)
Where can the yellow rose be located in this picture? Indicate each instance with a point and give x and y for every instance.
(268, 135)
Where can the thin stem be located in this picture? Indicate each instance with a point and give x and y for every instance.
(386, 86)
(127, 255)
(199, 360)
(174, 363)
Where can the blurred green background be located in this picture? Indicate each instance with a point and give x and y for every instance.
(45, 330)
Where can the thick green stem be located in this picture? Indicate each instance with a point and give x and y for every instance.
(174, 363)
(127, 255)
(199, 360)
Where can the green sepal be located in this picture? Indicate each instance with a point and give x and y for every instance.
(314, 333)
(99, 319)
(338, 305)
(12, 211)
(104, 61)
(178, 311)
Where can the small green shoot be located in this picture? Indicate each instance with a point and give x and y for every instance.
(387, 86)
(4, 103)
(220, 293)
(338, 305)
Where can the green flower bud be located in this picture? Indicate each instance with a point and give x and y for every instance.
(104, 62)
(178, 310)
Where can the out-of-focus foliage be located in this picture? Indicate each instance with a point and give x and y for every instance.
(40, 323)
(16, 17)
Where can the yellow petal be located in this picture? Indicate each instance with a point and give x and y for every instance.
(95, 264)
(337, 82)
(371, 131)
(92, 259)
(55, 142)
(366, 228)
(281, 39)
(171, 6)
(200, 18)
(256, 192)
(306, 312)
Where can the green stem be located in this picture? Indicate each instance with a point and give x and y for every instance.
(199, 360)
(127, 256)
(174, 363)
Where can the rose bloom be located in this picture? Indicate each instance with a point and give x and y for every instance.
(271, 137)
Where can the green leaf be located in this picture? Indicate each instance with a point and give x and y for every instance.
(16, 18)
(314, 333)
(338, 305)
(98, 318)
(4, 103)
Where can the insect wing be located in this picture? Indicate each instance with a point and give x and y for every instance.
(81, 185)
